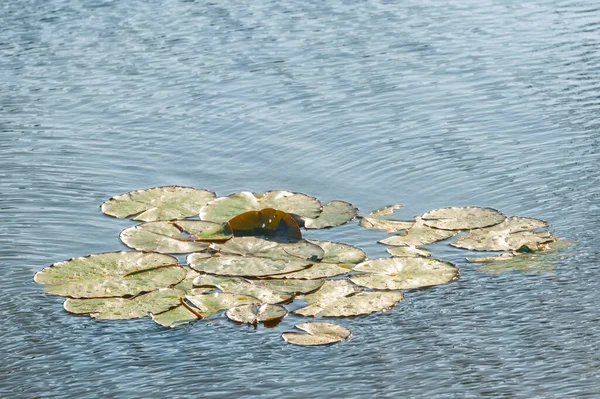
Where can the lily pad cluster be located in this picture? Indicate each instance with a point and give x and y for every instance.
(246, 257)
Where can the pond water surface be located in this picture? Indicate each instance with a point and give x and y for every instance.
(431, 104)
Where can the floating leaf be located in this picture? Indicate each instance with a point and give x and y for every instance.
(163, 237)
(261, 248)
(404, 273)
(267, 222)
(389, 226)
(293, 286)
(158, 203)
(462, 218)
(174, 317)
(503, 257)
(121, 308)
(409, 251)
(418, 234)
(238, 285)
(111, 274)
(225, 208)
(386, 210)
(188, 282)
(336, 252)
(246, 266)
(335, 213)
(317, 271)
(209, 304)
(338, 298)
(318, 333)
(509, 235)
(254, 314)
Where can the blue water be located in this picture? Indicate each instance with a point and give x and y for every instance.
(428, 103)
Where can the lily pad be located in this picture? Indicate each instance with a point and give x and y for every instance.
(209, 304)
(261, 248)
(111, 274)
(409, 251)
(317, 271)
(418, 234)
(510, 235)
(386, 210)
(158, 203)
(337, 252)
(462, 218)
(254, 314)
(334, 213)
(174, 317)
(404, 273)
(338, 298)
(317, 333)
(122, 308)
(293, 286)
(246, 266)
(503, 257)
(267, 222)
(225, 208)
(389, 226)
(238, 285)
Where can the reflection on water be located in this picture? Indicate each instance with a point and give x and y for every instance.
(464, 103)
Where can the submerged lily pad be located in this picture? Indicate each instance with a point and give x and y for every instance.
(122, 308)
(111, 274)
(409, 251)
(462, 218)
(386, 210)
(495, 258)
(403, 273)
(254, 314)
(389, 226)
(209, 304)
(261, 248)
(338, 298)
(158, 203)
(267, 222)
(245, 266)
(334, 213)
(174, 317)
(225, 208)
(510, 235)
(418, 234)
(317, 333)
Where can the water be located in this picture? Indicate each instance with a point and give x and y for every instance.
(428, 103)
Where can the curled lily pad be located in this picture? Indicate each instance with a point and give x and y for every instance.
(245, 266)
(404, 273)
(510, 235)
(418, 234)
(386, 210)
(317, 333)
(254, 314)
(261, 248)
(111, 274)
(409, 251)
(174, 317)
(334, 213)
(224, 209)
(208, 304)
(338, 298)
(293, 286)
(122, 308)
(158, 203)
(389, 226)
(336, 252)
(267, 222)
(462, 218)
(163, 237)
(238, 285)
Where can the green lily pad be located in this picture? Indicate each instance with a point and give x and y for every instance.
(209, 304)
(111, 274)
(122, 308)
(389, 226)
(403, 273)
(188, 282)
(409, 251)
(334, 213)
(317, 333)
(336, 252)
(238, 285)
(338, 298)
(253, 314)
(246, 266)
(225, 208)
(316, 271)
(261, 248)
(462, 218)
(293, 286)
(158, 203)
(267, 222)
(418, 234)
(510, 235)
(386, 210)
(174, 317)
